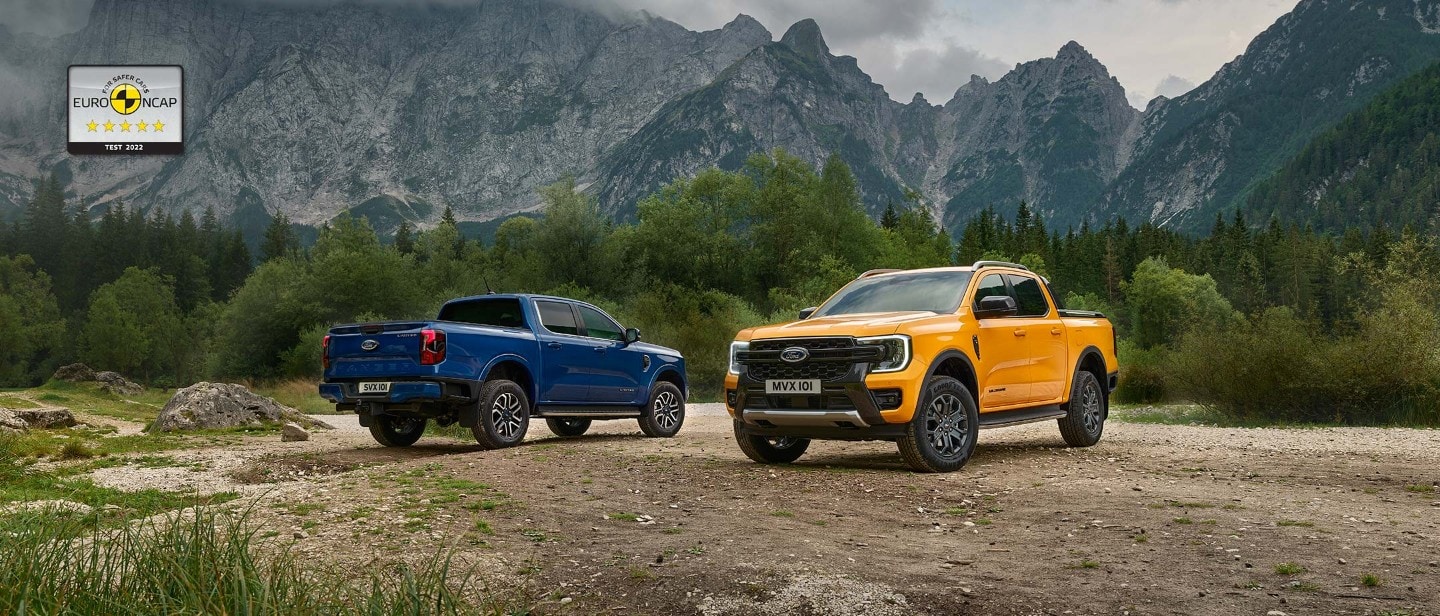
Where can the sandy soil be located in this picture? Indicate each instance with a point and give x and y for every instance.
(1153, 520)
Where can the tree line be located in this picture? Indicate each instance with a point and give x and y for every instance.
(172, 301)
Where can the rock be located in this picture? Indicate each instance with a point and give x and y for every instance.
(300, 534)
(292, 432)
(49, 506)
(1276, 613)
(11, 423)
(46, 418)
(74, 373)
(224, 405)
(114, 383)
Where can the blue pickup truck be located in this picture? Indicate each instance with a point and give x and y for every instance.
(491, 362)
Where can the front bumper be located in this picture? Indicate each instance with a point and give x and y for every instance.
(858, 401)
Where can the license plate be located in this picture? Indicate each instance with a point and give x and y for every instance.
(799, 387)
(374, 388)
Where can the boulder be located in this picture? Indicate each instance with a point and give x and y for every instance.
(75, 373)
(224, 405)
(46, 418)
(291, 432)
(11, 423)
(114, 383)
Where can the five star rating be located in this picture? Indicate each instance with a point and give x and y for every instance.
(125, 126)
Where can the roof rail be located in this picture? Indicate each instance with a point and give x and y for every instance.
(873, 272)
(980, 264)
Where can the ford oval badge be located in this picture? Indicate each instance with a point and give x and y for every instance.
(794, 355)
(369, 345)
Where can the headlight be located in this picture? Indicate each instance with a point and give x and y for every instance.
(897, 352)
(735, 348)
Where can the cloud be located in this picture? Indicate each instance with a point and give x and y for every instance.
(1173, 85)
(45, 17)
(934, 72)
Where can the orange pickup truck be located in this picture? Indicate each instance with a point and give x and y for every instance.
(925, 358)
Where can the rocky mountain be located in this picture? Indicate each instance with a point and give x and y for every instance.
(1202, 152)
(1380, 165)
(313, 109)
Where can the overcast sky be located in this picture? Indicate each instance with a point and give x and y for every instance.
(933, 46)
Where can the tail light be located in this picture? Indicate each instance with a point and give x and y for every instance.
(325, 352)
(432, 347)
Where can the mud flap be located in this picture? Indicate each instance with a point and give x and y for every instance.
(469, 415)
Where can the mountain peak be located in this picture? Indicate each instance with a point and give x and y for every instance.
(804, 37)
(746, 23)
(1073, 51)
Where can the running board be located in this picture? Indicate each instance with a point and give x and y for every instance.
(1004, 419)
(593, 412)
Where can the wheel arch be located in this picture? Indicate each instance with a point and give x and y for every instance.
(672, 374)
(513, 368)
(1093, 361)
(957, 365)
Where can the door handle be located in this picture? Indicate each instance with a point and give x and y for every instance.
(1055, 331)
(599, 349)
(1020, 333)
(554, 345)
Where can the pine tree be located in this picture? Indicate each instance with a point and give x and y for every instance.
(404, 239)
(889, 219)
(280, 239)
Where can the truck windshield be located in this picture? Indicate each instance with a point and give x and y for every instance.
(912, 291)
(498, 312)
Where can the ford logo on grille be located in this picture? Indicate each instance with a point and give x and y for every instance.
(369, 345)
(794, 355)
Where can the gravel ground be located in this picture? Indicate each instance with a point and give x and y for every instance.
(1154, 520)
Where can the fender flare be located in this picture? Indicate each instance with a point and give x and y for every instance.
(947, 355)
(668, 367)
(1086, 354)
(470, 413)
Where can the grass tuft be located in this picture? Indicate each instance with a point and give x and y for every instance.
(1289, 568)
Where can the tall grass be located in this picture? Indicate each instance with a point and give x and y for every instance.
(203, 561)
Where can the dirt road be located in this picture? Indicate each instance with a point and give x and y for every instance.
(1154, 520)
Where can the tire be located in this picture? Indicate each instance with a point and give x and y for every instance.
(769, 449)
(665, 412)
(504, 415)
(942, 435)
(567, 426)
(1089, 406)
(396, 431)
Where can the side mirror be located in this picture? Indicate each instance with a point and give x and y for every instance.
(805, 314)
(632, 335)
(992, 306)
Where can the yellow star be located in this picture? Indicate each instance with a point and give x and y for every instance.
(91, 126)
(158, 126)
(140, 126)
(109, 126)
(125, 126)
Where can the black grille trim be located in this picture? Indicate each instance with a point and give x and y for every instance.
(831, 359)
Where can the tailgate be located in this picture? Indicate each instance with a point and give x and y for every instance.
(390, 349)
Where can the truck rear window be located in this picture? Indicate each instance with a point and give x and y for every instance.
(497, 312)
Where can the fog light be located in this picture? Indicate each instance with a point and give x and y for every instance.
(888, 398)
(730, 397)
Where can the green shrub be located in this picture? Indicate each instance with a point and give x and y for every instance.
(1143, 374)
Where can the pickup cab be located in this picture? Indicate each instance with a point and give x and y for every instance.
(492, 362)
(924, 358)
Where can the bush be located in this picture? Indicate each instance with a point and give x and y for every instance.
(1143, 374)
(699, 324)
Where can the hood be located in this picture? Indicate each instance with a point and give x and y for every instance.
(646, 347)
(858, 325)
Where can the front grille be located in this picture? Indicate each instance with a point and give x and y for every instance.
(811, 344)
(823, 370)
(830, 358)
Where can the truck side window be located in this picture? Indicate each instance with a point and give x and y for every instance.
(1028, 297)
(557, 317)
(597, 325)
(990, 285)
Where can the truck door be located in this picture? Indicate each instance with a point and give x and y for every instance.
(564, 355)
(613, 375)
(1044, 341)
(1003, 360)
